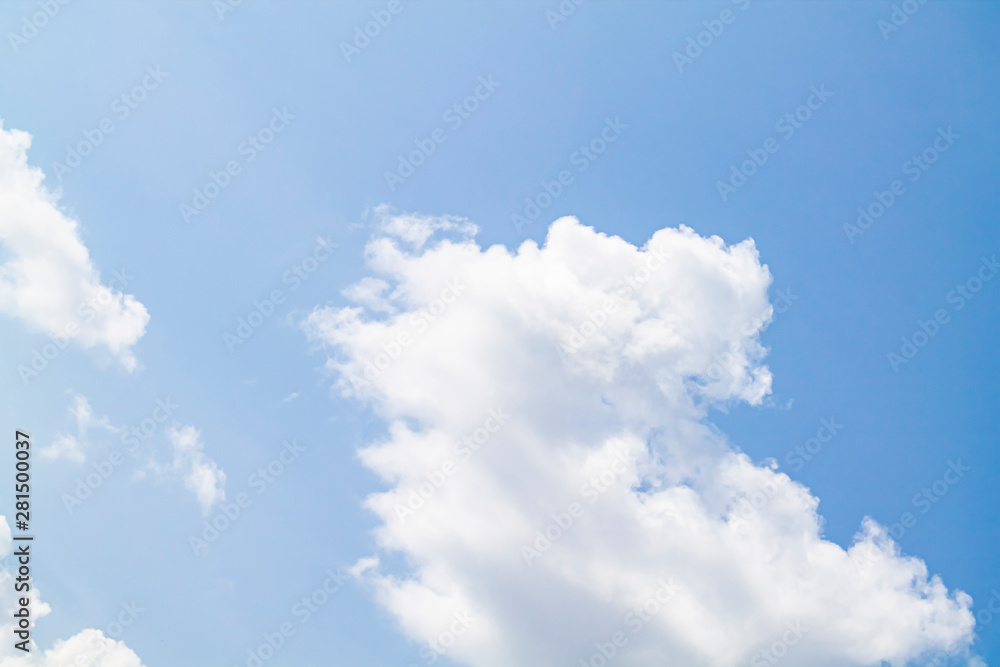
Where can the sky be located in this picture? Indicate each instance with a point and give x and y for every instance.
(503, 333)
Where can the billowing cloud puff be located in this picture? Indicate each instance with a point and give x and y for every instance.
(89, 648)
(47, 279)
(553, 482)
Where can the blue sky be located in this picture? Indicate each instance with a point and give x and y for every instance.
(555, 87)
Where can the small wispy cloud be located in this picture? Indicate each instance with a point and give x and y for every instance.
(202, 476)
(73, 446)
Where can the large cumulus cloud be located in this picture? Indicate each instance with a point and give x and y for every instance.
(550, 469)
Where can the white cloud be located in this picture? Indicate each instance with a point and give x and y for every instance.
(89, 647)
(65, 446)
(415, 229)
(611, 416)
(201, 474)
(71, 446)
(47, 279)
(368, 292)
